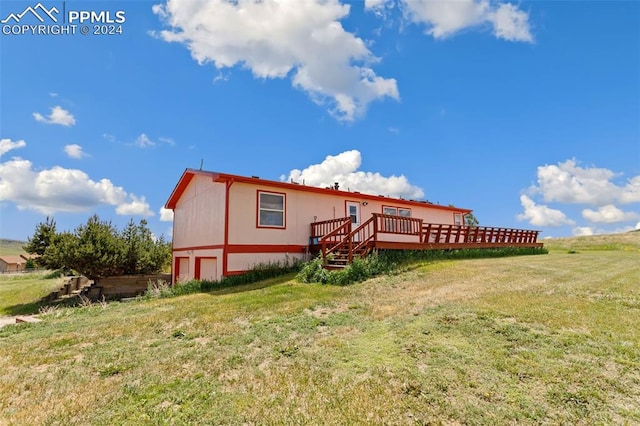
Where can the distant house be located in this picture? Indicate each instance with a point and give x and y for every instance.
(12, 263)
(226, 224)
(27, 256)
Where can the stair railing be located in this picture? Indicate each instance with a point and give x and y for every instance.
(335, 239)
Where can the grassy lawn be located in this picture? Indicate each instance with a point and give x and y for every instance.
(549, 339)
(19, 293)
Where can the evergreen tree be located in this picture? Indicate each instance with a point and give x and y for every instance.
(42, 238)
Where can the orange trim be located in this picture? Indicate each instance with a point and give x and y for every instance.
(284, 213)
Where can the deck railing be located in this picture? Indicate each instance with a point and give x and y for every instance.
(320, 229)
(390, 224)
(450, 234)
(337, 235)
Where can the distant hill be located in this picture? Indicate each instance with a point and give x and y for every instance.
(11, 246)
(624, 241)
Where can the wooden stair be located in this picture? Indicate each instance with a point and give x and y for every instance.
(74, 287)
(340, 258)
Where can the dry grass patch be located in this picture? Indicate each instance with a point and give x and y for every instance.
(549, 339)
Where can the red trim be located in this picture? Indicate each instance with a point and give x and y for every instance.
(215, 246)
(248, 248)
(237, 272)
(265, 248)
(225, 257)
(284, 213)
(177, 268)
(182, 184)
(196, 274)
(222, 177)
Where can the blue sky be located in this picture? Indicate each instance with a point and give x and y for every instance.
(528, 112)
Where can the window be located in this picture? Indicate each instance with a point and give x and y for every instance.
(353, 213)
(390, 210)
(390, 224)
(457, 219)
(405, 225)
(271, 210)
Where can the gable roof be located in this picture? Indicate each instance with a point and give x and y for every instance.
(188, 175)
(11, 259)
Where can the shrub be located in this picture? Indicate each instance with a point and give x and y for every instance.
(389, 261)
(259, 272)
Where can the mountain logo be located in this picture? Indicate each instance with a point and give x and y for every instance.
(38, 11)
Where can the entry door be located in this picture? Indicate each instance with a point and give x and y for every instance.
(353, 212)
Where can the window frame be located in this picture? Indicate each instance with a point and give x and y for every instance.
(389, 225)
(259, 209)
(457, 219)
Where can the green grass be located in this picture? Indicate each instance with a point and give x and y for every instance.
(551, 339)
(629, 241)
(11, 247)
(20, 293)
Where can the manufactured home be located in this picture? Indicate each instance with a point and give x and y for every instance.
(226, 224)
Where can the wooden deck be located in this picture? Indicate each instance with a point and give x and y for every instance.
(339, 243)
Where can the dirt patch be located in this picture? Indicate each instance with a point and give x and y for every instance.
(12, 320)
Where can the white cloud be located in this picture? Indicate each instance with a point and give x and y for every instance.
(445, 18)
(143, 141)
(7, 145)
(630, 193)
(583, 231)
(375, 4)
(380, 8)
(59, 189)
(301, 40)
(541, 215)
(609, 214)
(138, 206)
(510, 23)
(343, 168)
(166, 215)
(75, 151)
(569, 183)
(58, 115)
